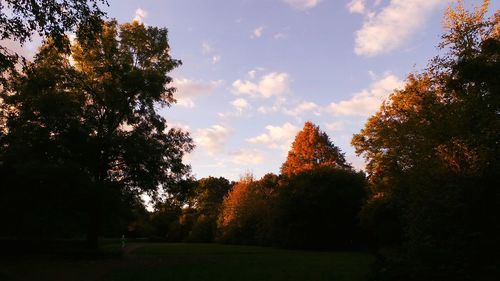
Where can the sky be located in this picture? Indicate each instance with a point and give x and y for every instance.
(255, 70)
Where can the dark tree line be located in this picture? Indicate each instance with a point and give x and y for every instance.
(313, 206)
(433, 161)
(81, 137)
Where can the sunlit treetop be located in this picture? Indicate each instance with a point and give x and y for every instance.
(311, 149)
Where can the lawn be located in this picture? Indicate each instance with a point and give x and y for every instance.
(173, 262)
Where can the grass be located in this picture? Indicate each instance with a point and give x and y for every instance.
(200, 262)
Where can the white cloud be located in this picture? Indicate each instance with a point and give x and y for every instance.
(247, 157)
(252, 73)
(212, 139)
(208, 50)
(267, 109)
(302, 4)
(280, 35)
(140, 15)
(215, 59)
(368, 101)
(256, 33)
(335, 126)
(188, 90)
(301, 108)
(240, 104)
(387, 30)
(276, 136)
(272, 84)
(356, 6)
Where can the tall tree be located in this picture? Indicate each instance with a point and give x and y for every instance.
(246, 212)
(433, 158)
(311, 149)
(108, 124)
(207, 198)
(19, 20)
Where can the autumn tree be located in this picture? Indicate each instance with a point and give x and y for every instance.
(312, 149)
(246, 212)
(92, 125)
(433, 159)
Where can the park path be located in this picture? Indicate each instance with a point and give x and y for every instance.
(130, 248)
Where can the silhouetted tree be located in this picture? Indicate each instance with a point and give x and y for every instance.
(319, 209)
(433, 159)
(19, 20)
(96, 117)
(208, 197)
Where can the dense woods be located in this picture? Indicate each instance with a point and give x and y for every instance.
(81, 139)
(433, 160)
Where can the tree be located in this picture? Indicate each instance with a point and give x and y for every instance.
(311, 149)
(318, 209)
(433, 157)
(210, 193)
(246, 212)
(19, 20)
(208, 197)
(99, 114)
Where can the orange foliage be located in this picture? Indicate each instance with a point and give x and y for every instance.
(312, 149)
(235, 201)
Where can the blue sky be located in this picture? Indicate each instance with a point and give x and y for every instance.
(255, 70)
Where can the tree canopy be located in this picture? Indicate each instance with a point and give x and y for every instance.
(20, 20)
(97, 115)
(432, 152)
(311, 149)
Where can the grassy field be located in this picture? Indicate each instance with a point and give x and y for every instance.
(172, 262)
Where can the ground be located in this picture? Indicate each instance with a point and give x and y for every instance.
(200, 262)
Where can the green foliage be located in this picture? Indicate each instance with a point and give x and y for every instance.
(433, 153)
(90, 129)
(208, 197)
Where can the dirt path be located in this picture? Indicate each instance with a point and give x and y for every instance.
(130, 248)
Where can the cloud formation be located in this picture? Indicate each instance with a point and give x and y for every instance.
(257, 33)
(368, 101)
(140, 15)
(390, 28)
(209, 51)
(212, 139)
(280, 35)
(188, 90)
(240, 104)
(356, 6)
(272, 84)
(302, 108)
(247, 157)
(302, 4)
(277, 136)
